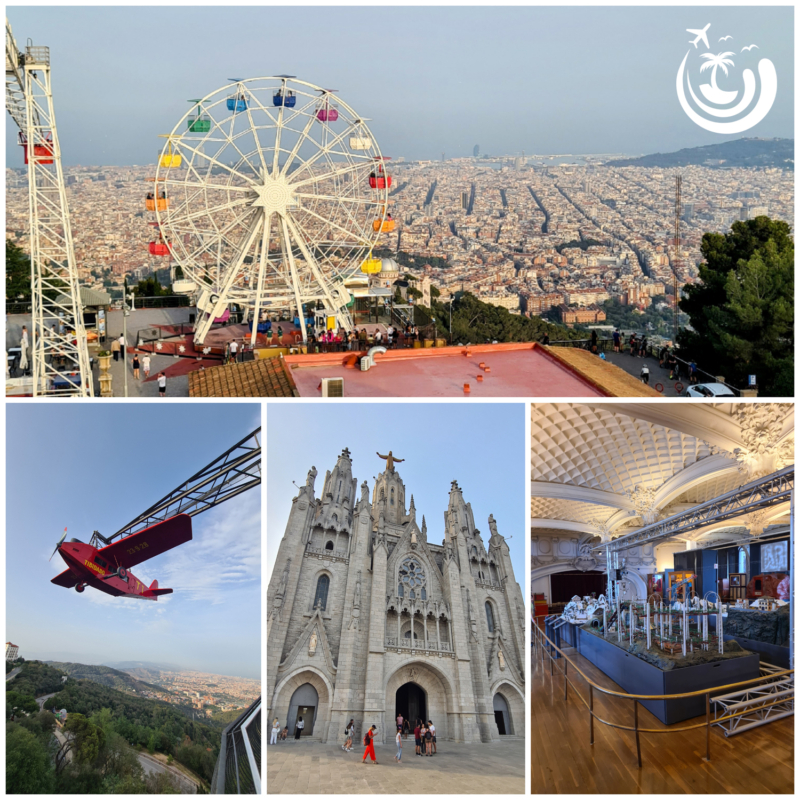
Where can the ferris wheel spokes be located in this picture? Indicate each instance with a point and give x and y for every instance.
(334, 305)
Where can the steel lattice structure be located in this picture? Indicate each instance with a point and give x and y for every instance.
(271, 193)
(57, 336)
(234, 472)
(772, 490)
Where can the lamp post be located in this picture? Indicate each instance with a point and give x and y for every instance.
(125, 313)
(452, 297)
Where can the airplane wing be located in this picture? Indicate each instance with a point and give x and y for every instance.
(67, 579)
(150, 542)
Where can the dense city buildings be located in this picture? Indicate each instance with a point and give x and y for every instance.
(205, 691)
(527, 238)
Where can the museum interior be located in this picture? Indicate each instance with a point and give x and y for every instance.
(662, 554)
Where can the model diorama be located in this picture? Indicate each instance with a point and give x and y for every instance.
(679, 627)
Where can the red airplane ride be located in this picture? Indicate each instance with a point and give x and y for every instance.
(107, 568)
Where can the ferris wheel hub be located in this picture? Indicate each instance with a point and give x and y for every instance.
(274, 195)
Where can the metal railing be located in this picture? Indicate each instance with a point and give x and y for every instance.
(238, 768)
(544, 646)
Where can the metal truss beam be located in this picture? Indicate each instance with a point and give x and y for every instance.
(59, 351)
(234, 472)
(772, 490)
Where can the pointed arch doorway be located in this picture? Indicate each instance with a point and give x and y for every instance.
(411, 702)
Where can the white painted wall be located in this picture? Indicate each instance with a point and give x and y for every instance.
(664, 553)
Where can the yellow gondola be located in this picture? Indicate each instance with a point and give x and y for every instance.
(371, 266)
(387, 226)
(170, 159)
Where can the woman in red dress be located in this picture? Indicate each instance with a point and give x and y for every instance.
(370, 747)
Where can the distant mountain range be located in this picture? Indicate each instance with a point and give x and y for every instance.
(738, 153)
(106, 676)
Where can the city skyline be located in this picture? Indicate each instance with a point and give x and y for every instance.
(607, 87)
(211, 623)
(481, 448)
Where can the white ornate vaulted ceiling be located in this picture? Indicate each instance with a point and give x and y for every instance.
(599, 468)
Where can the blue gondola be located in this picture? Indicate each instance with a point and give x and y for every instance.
(289, 101)
(237, 104)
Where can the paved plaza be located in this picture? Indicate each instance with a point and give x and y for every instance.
(315, 768)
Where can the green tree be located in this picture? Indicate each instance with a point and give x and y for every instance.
(87, 738)
(28, 767)
(18, 273)
(20, 702)
(741, 311)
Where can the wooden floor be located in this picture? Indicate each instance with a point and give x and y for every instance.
(562, 760)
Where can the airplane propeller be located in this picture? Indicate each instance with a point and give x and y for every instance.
(60, 541)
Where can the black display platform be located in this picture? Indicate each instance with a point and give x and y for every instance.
(770, 653)
(638, 677)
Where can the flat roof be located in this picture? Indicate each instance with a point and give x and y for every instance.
(515, 370)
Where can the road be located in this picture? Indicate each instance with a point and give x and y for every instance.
(13, 674)
(152, 766)
(40, 700)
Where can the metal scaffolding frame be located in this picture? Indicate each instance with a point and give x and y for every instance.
(55, 293)
(234, 472)
(772, 490)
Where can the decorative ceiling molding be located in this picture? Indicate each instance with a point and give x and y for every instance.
(581, 494)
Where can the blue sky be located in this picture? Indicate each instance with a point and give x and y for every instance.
(95, 467)
(433, 80)
(481, 446)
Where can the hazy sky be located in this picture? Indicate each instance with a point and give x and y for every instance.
(480, 446)
(543, 80)
(95, 467)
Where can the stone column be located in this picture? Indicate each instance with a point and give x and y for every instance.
(374, 695)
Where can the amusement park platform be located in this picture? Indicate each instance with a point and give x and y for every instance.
(514, 370)
(509, 370)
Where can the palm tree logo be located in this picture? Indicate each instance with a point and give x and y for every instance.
(713, 93)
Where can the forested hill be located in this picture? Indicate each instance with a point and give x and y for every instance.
(476, 322)
(106, 676)
(147, 723)
(738, 153)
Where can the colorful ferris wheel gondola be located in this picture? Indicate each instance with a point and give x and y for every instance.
(379, 178)
(198, 122)
(327, 112)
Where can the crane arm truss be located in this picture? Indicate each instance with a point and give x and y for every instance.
(771, 490)
(234, 472)
(60, 354)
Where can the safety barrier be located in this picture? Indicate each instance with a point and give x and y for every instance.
(544, 646)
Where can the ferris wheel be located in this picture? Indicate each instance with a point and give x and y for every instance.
(270, 193)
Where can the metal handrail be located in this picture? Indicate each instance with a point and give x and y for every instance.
(546, 645)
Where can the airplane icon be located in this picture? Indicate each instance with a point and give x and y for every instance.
(700, 34)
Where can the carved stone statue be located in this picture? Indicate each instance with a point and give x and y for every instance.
(365, 492)
(311, 477)
(284, 578)
(501, 659)
(493, 525)
(356, 612)
(312, 643)
(390, 459)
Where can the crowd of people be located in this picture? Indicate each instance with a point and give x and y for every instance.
(424, 737)
(331, 341)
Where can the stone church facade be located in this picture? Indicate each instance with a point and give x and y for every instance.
(366, 618)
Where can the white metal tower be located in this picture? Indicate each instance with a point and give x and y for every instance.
(58, 340)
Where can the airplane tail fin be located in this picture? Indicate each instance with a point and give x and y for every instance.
(154, 592)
